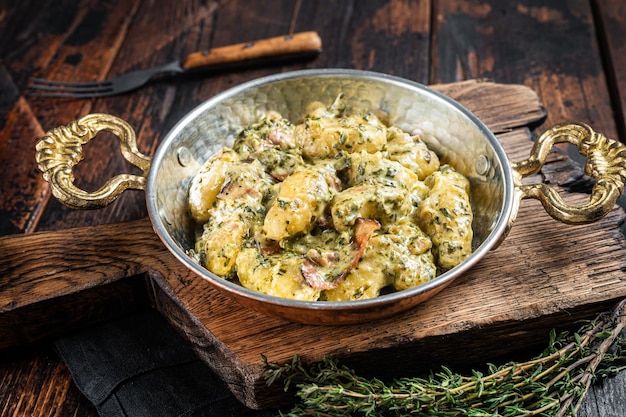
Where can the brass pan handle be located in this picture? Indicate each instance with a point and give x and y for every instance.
(60, 149)
(606, 162)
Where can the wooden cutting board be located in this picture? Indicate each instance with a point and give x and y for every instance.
(544, 275)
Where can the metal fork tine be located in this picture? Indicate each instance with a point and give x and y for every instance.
(69, 89)
(73, 89)
(41, 83)
(86, 89)
(71, 95)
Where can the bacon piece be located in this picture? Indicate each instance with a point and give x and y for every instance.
(281, 138)
(234, 191)
(315, 277)
(270, 247)
(363, 229)
(320, 270)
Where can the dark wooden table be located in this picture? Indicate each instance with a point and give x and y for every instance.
(570, 52)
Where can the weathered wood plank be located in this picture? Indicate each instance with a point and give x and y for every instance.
(146, 108)
(367, 35)
(61, 42)
(502, 107)
(36, 382)
(611, 17)
(548, 46)
(509, 42)
(21, 188)
(606, 398)
(155, 108)
(539, 276)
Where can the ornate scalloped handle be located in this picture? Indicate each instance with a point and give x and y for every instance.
(606, 162)
(60, 149)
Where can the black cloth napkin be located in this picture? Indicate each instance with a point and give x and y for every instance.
(139, 366)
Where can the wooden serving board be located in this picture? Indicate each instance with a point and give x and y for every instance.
(545, 275)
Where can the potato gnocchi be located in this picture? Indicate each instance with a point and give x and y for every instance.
(338, 207)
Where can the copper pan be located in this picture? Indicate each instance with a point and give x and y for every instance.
(453, 132)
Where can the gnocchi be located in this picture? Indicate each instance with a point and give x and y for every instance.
(338, 207)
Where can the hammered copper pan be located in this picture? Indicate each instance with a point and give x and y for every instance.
(454, 133)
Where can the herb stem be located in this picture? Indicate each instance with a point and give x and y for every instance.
(552, 385)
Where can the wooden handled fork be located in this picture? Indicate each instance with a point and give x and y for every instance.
(280, 48)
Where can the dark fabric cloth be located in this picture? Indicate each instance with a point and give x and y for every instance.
(140, 366)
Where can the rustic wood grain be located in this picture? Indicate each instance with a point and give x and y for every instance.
(606, 399)
(36, 382)
(549, 46)
(67, 286)
(63, 44)
(553, 47)
(22, 190)
(556, 48)
(540, 275)
(367, 35)
(611, 22)
(502, 107)
(532, 280)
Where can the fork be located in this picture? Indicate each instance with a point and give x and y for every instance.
(298, 45)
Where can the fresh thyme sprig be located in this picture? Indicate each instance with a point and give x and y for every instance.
(553, 384)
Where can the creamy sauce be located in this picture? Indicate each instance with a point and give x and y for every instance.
(339, 207)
